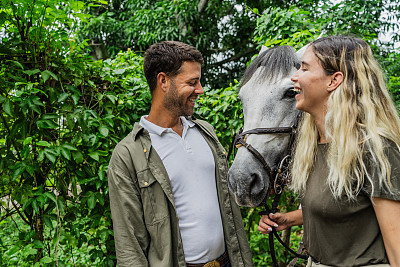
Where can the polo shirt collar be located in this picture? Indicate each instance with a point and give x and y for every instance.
(155, 129)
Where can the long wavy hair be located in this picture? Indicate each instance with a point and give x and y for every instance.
(358, 114)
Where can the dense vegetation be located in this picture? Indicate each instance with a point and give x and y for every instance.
(62, 112)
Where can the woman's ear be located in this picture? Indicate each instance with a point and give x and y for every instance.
(162, 81)
(336, 80)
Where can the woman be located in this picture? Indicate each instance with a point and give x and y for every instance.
(347, 160)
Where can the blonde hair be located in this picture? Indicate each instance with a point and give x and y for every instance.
(359, 113)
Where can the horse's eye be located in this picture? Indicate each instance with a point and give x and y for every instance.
(290, 93)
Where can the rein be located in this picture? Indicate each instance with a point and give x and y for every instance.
(276, 176)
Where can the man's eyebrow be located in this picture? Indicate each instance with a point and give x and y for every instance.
(305, 63)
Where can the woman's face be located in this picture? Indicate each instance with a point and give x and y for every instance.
(312, 83)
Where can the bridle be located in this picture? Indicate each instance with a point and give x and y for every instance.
(278, 177)
(273, 174)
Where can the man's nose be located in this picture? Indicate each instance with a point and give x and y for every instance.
(199, 89)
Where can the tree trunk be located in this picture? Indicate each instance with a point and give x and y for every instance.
(39, 229)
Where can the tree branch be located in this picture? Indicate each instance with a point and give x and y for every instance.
(202, 5)
(235, 57)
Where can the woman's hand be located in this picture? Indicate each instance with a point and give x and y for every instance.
(280, 221)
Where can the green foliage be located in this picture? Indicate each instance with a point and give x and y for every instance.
(61, 116)
(223, 109)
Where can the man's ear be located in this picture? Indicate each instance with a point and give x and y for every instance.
(162, 81)
(336, 80)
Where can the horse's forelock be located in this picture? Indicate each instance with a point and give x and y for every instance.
(278, 62)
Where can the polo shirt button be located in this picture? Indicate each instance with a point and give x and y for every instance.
(146, 183)
(145, 150)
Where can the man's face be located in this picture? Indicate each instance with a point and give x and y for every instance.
(184, 89)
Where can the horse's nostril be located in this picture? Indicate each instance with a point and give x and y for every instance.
(256, 184)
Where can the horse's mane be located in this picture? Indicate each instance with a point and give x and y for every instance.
(277, 61)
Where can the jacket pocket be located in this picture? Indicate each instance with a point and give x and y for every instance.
(154, 200)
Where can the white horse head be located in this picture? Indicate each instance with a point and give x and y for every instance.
(268, 101)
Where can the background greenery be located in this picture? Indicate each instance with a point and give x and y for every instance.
(71, 87)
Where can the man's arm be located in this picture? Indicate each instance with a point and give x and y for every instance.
(130, 233)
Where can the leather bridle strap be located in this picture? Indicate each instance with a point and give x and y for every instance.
(240, 140)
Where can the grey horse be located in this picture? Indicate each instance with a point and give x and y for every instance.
(268, 99)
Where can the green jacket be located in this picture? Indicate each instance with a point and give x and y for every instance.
(145, 221)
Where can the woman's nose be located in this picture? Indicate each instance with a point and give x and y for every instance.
(294, 76)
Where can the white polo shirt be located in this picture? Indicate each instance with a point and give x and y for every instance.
(191, 168)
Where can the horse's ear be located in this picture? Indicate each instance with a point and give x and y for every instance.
(263, 49)
(301, 51)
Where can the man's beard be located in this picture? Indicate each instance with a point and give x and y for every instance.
(177, 104)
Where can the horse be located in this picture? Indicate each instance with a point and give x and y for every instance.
(270, 118)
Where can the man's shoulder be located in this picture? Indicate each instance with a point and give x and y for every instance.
(203, 124)
(130, 142)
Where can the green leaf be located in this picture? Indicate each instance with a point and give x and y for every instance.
(35, 206)
(91, 201)
(63, 96)
(16, 63)
(43, 143)
(50, 156)
(51, 196)
(27, 140)
(47, 221)
(77, 156)
(61, 205)
(46, 75)
(18, 171)
(37, 243)
(65, 153)
(119, 71)
(47, 124)
(112, 98)
(31, 72)
(46, 259)
(69, 147)
(103, 130)
(94, 155)
(8, 107)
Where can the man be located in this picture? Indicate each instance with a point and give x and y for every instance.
(169, 197)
